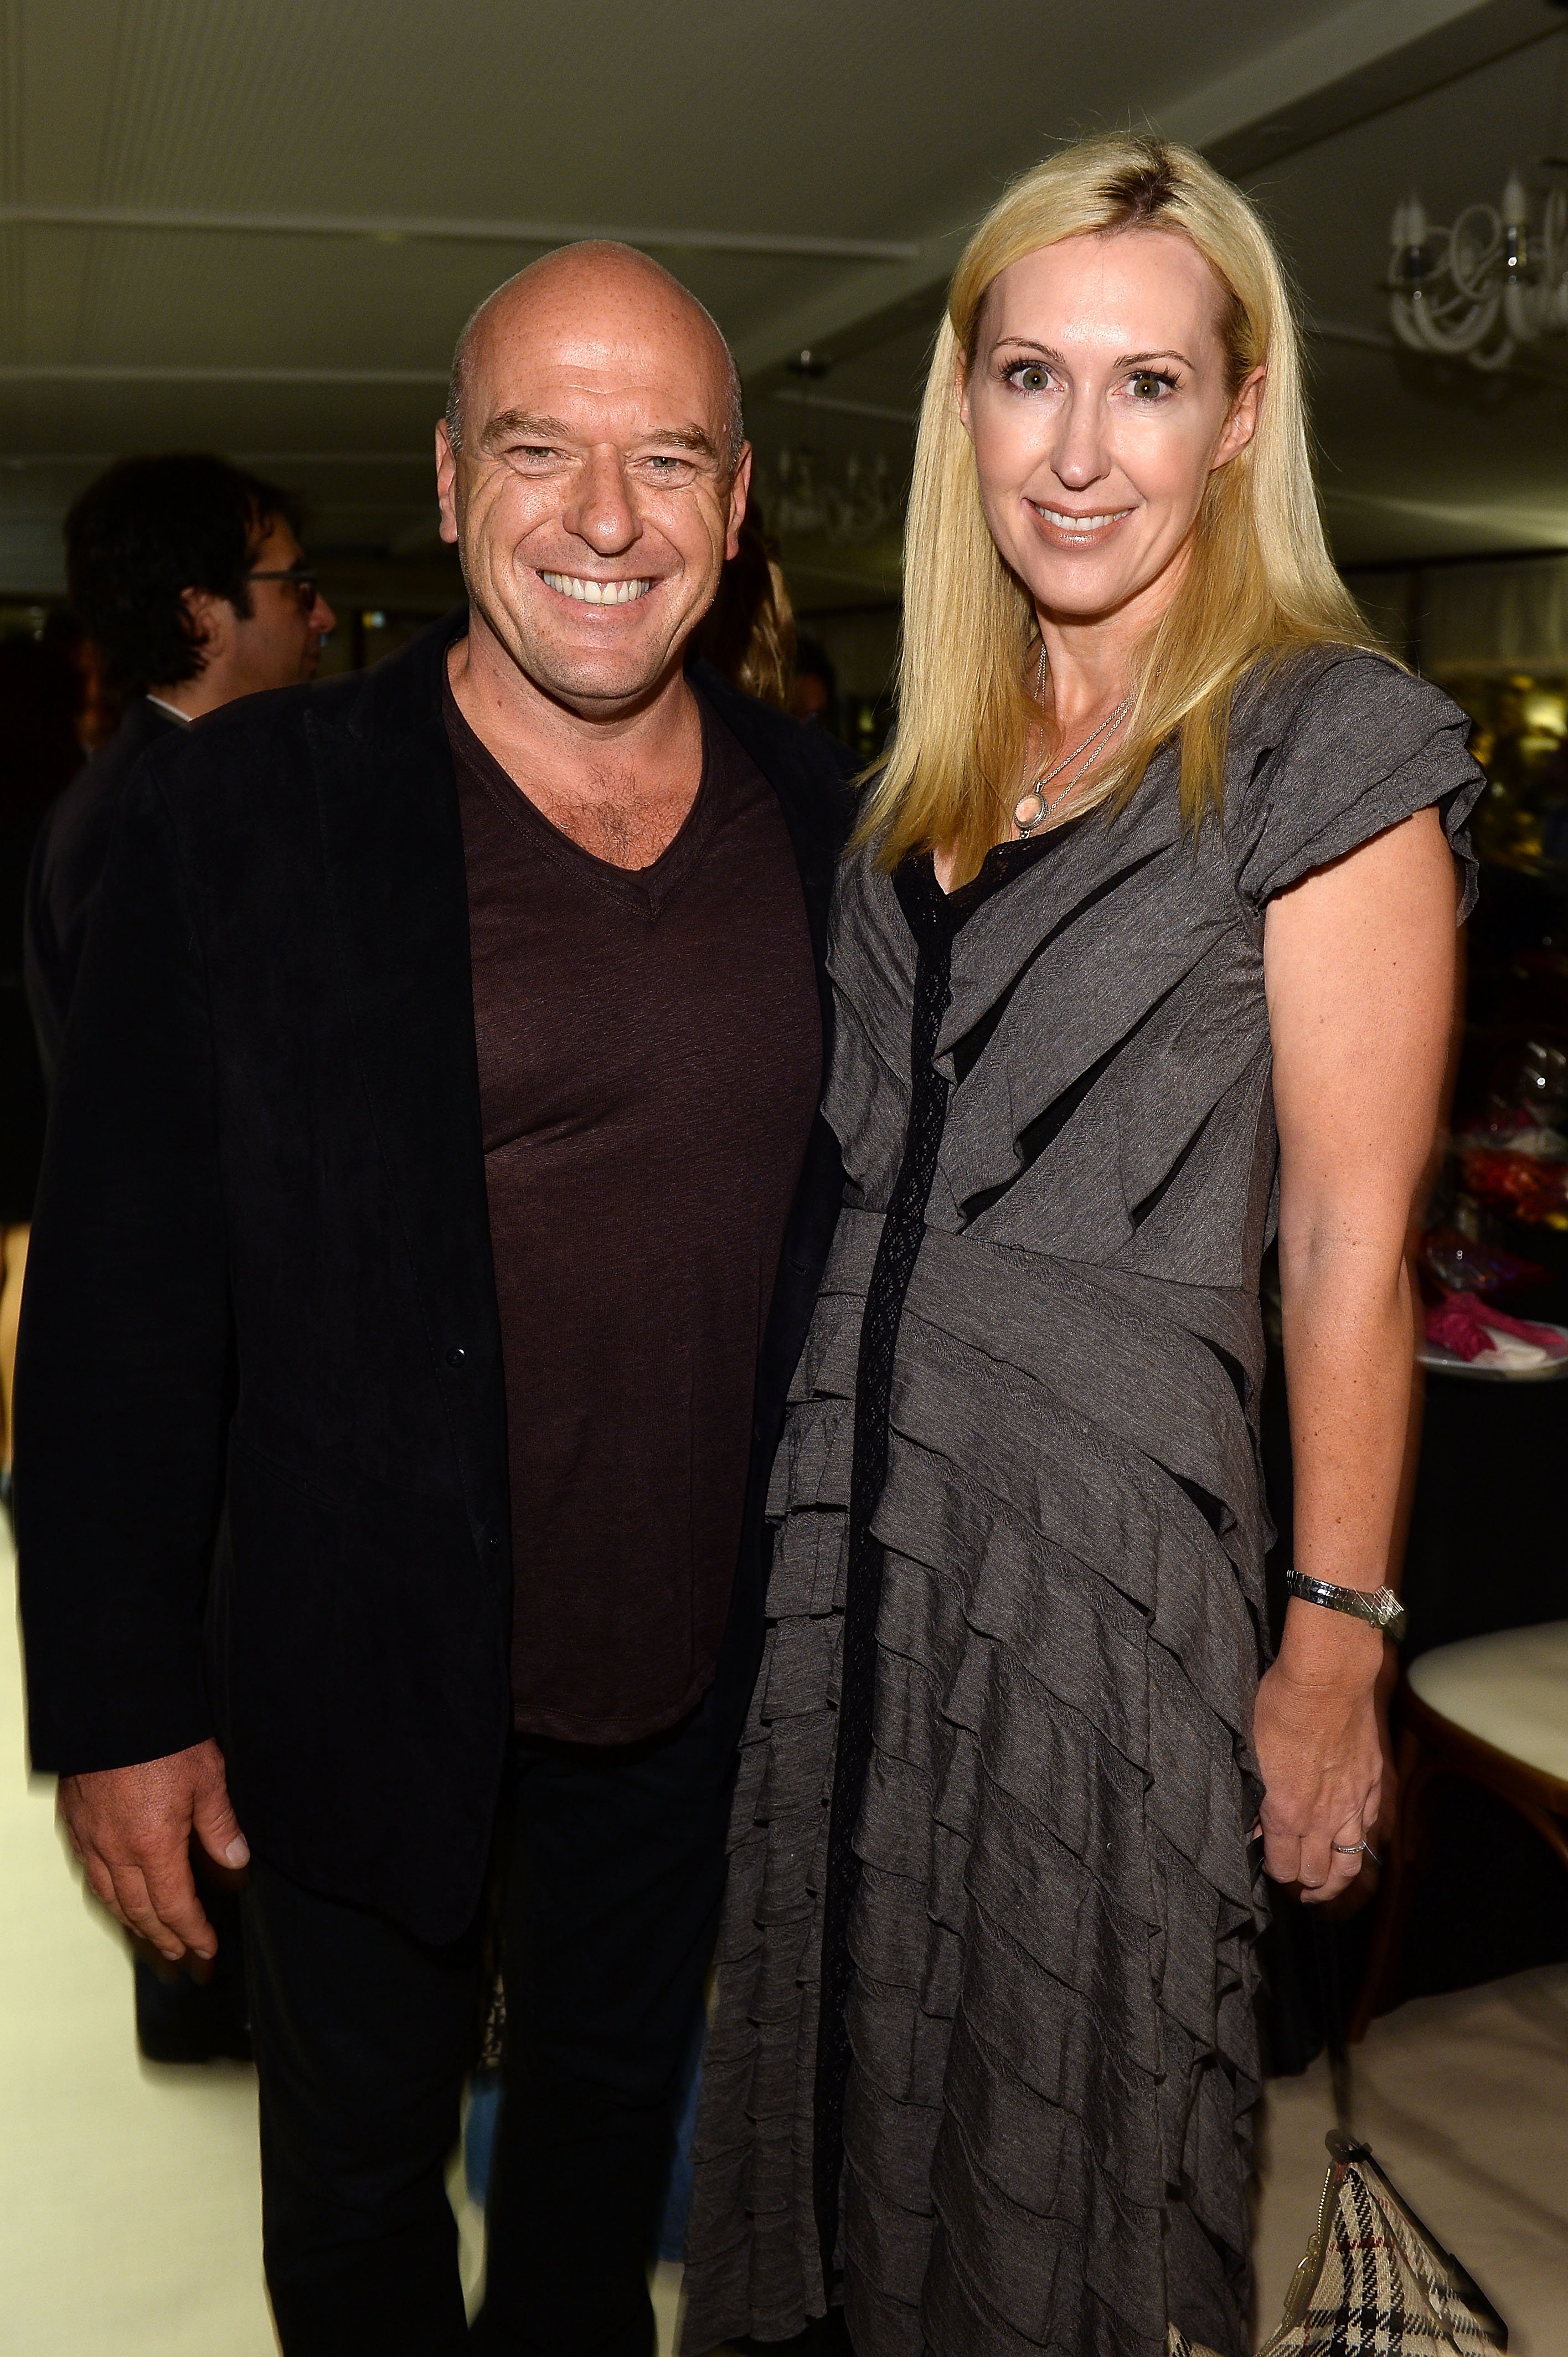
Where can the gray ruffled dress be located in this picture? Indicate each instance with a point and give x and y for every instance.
(985, 2026)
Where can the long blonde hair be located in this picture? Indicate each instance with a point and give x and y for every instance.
(1259, 582)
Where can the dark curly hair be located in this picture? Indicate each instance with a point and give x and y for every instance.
(146, 531)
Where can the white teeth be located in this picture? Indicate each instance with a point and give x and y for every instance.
(589, 592)
(1078, 523)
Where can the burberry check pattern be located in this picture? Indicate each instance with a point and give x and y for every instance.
(1382, 2288)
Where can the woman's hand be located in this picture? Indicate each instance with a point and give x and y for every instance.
(1315, 1728)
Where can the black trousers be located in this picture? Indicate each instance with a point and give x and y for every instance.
(182, 2019)
(613, 1875)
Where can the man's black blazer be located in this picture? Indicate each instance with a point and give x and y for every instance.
(259, 1334)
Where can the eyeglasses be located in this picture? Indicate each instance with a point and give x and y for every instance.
(301, 579)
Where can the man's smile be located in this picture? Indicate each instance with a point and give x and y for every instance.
(589, 591)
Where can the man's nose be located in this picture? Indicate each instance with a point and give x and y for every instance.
(600, 509)
(321, 618)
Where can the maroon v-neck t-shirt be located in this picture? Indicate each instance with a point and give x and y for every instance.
(649, 1046)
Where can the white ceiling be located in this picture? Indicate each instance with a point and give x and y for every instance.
(1418, 457)
(256, 225)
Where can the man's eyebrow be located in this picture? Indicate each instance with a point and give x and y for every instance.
(686, 437)
(530, 425)
(523, 425)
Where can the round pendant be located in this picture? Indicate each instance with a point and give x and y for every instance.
(1029, 811)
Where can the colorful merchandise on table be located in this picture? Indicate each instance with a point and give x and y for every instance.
(1473, 1330)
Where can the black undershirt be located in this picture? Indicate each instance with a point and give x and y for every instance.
(650, 1047)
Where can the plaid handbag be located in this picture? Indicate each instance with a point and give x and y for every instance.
(1375, 2282)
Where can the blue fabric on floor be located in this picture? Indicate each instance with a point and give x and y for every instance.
(479, 2132)
(672, 2232)
(484, 2113)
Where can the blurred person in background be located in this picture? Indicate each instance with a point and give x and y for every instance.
(187, 575)
(813, 686)
(434, 1201)
(41, 694)
(748, 631)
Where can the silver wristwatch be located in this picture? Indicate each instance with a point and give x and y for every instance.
(1380, 1606)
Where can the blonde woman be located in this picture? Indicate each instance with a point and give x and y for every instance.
(1151, 929)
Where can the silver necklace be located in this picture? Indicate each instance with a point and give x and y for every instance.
(1029, 821)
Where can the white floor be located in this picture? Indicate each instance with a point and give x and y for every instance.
(129, 2218)
(1464, 2099)
(130, 2221)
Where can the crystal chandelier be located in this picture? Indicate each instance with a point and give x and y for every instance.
(1487, 285)
(799, 498)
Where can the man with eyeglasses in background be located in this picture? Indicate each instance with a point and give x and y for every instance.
(187, 575)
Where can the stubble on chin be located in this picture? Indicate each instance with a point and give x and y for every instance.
(584, 678)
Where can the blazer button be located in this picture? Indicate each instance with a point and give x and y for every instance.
(456, 1356)
(492, 1543)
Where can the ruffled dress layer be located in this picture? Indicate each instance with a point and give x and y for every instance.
(1051, 1979)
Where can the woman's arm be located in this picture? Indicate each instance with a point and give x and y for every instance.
(1361, 965)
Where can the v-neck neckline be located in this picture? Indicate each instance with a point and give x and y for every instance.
(647, 888)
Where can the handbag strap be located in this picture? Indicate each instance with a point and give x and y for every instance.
(1331, 2006)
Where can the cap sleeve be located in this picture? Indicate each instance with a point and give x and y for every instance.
(1365, 746)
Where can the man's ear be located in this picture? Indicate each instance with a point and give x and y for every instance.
(446, 482)
(212, 622)
(740, 491)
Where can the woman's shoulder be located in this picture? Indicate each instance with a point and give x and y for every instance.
(1330, 746)
(1352, 695)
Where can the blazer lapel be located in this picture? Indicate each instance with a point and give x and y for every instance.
(392, 843)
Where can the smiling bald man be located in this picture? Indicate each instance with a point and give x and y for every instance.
(433, 1206)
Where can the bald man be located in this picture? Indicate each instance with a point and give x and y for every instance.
(433, 1206)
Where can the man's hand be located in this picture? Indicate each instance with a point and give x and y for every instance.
(131, 1828)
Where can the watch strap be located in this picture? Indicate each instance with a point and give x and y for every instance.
(1377, 1606)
